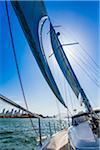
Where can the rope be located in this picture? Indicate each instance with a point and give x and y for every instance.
(17, 67)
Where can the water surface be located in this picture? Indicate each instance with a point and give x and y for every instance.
(18, 134)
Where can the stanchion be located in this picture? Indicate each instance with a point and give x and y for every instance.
(40, 133)
(50, 129)
(54, 128)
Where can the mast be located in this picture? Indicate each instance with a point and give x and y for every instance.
(67, 69)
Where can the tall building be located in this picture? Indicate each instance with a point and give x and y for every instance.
(3, 112)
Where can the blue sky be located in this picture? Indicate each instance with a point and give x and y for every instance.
(79, 21)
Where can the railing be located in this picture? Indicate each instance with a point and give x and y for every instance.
(50, 128)
(38, 134)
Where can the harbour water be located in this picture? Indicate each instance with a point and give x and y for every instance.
(18, 133)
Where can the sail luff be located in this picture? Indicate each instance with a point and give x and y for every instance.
(66, 68)
(29, 15)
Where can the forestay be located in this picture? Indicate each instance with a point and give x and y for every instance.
(66, 68)
(32, 15)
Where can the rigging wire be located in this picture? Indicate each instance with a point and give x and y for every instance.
(89, 55)
(93, 68)
(87, 94)
(68, 112)
(16, 63)
(55, 74)
(66, 97)
(94, 81)
(57, 103)
(68, 90)
(93, 75)
(93, 61)
(68, 115)
(84, 87)
(84, 60)
(66, 87)
(78, 64)
(82, 47)
(60, 84)
(70, 96)
(90, 77)
(90, 98)
(59, 112)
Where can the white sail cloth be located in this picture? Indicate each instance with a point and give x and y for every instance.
(29, 14)
(66, 68)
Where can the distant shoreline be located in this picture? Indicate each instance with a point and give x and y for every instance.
(23, 116)
(17, 117)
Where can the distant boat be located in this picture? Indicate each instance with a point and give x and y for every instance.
(84, 130)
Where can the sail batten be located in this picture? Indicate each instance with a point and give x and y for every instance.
(30, 14)
(66, 68)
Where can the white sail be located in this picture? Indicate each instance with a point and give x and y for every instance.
(66, 68)
(30, 15)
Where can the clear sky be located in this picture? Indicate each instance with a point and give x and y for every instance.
(79, 21)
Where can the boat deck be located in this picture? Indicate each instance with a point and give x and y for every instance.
(58, 142)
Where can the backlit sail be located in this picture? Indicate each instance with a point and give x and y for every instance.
(66, 68)
(32, 16)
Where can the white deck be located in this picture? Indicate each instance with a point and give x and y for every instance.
(58, 141)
